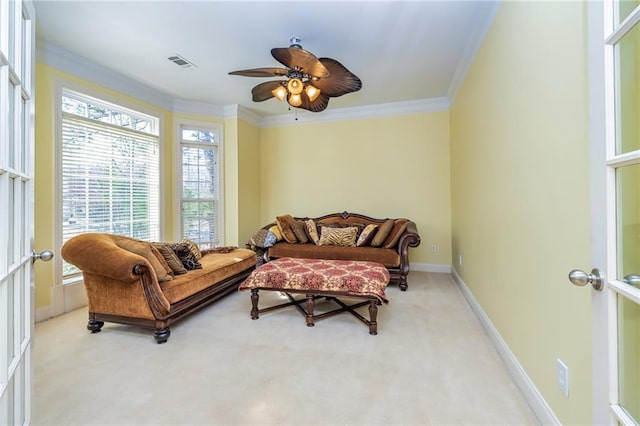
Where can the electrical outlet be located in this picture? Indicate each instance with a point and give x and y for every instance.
(460, 260)
(434, 248)
(563, 376)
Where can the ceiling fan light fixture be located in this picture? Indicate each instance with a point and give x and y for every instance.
(280, 93)
(312, 92)
(295, 86)
(295, 100)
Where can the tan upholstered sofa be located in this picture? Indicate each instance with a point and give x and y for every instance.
(392, 250)
(123, 286)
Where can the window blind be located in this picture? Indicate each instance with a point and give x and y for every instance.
(110, 179)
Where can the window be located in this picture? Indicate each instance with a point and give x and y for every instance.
(110, 170)
(200, 204)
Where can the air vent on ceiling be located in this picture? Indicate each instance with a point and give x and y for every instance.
(179, 60)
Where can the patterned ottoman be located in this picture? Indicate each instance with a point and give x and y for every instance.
(318, 278)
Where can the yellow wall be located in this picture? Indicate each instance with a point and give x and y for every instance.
(384, 167)
(520, 192)
(248, 181)
(45, 173)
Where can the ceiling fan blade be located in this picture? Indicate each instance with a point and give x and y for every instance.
(340, 81)
(320, 104)
(262, 91)
(262, 72)
(297, 57)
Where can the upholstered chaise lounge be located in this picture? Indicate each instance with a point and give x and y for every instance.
(122, 284)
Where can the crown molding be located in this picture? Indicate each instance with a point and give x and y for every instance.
(202, 108)
(242, 113)
(66, 61)
(470, 52)
(357, 113)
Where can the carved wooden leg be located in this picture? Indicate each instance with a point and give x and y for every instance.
(161, 334)
(254, 304)
(373, 316)
(403, 283)
(310, 322)
(94, 326)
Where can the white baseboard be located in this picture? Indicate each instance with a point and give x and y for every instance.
(431, 267)
(539, 406)
(44, 313)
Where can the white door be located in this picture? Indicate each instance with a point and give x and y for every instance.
(614, 115)
(17, 29)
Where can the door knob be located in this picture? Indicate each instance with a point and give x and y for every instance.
(45, 255)
(632, 279)
(581, 278)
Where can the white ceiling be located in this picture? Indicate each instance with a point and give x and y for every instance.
(401, 50)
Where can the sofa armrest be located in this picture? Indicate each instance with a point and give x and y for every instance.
(98, 255)
(410, 238)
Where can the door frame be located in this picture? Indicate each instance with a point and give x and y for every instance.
(598, 202)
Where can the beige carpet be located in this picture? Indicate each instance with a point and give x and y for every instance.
(430, 364)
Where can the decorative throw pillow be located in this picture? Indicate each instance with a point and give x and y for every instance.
(359, 226)
(285, 225)
(270, 239)
(367, 235)
(276, 232)
(345, 237)
(162, 260)
(171, 258)
(299, 229)
(312, 232)
(383, 232)
(259, 239)
(145, 250)
(193, 247)
(399, 226)
(185, 255)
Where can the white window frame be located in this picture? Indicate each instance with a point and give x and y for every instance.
(69, 294)
(179, 124)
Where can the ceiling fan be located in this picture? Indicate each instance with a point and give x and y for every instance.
(310, 81)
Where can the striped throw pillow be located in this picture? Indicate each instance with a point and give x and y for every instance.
(345, 237)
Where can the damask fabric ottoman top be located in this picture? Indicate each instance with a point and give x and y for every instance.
(341, 277)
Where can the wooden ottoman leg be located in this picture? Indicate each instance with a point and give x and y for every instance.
(254, 304)
(373, 316)
(310, 322)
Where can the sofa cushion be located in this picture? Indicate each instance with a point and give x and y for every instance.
(367, 235)
(215, 268)
(146, 250)
(300, 230)
(399, 226)
(312, 231)
(388, 257)
(171, 258)
(285, 225)
(218, 250)
(383, 232)
(345, 237)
